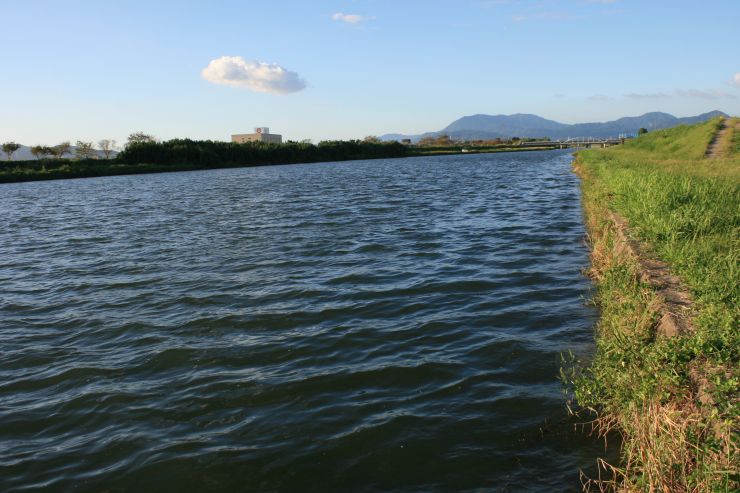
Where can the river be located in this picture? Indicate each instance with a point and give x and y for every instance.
(388, 325)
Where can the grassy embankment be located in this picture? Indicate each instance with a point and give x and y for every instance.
(685, 210)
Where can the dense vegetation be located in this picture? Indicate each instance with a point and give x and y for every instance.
(210, 153)
(686, 209)
(144, 155)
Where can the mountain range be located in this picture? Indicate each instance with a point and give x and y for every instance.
(484, 127)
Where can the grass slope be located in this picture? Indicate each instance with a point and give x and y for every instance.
(686, 209)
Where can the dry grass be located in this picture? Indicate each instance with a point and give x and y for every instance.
(665, 449)
(664, 439)
(674, 401)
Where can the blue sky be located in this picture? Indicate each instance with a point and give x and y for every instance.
(88, 70)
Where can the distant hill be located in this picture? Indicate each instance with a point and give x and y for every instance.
(522, 125)
(24, 153)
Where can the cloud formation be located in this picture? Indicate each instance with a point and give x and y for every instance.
(235, 71)
(350, 18)
(711, 94)
(599, 97)
(737, 79)
(654, 95)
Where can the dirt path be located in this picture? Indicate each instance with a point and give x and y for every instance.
(676, 303)
(675, 307)
(714, 149)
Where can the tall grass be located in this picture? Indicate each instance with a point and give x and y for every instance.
(686, 209)
(735, 147)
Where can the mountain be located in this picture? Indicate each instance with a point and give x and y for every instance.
(505, 125)
(24, 154)
(476, 127)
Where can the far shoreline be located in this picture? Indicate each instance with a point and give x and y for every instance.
(31, 171)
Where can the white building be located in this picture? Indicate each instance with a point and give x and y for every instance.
(261, 134)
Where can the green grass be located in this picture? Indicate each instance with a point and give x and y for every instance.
(686, 209)
(686, 142)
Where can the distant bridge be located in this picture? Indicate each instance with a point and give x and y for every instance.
(579, 143)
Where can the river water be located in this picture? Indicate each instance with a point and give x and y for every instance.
(389, 325)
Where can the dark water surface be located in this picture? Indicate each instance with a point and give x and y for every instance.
(390, 325)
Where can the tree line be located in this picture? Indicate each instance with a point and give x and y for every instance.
(214, 153)
(81, 150)
(143, 148)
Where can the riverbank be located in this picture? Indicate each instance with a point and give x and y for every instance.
(193, 156)
(663, 226)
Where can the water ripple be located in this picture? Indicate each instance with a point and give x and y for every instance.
(367, 326)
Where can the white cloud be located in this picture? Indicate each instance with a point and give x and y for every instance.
(655, 95)
(737, 78)
(235, 71)
(599, 97)
(350, 18)
(710, 94)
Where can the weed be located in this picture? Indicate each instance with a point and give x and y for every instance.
(686, 210)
